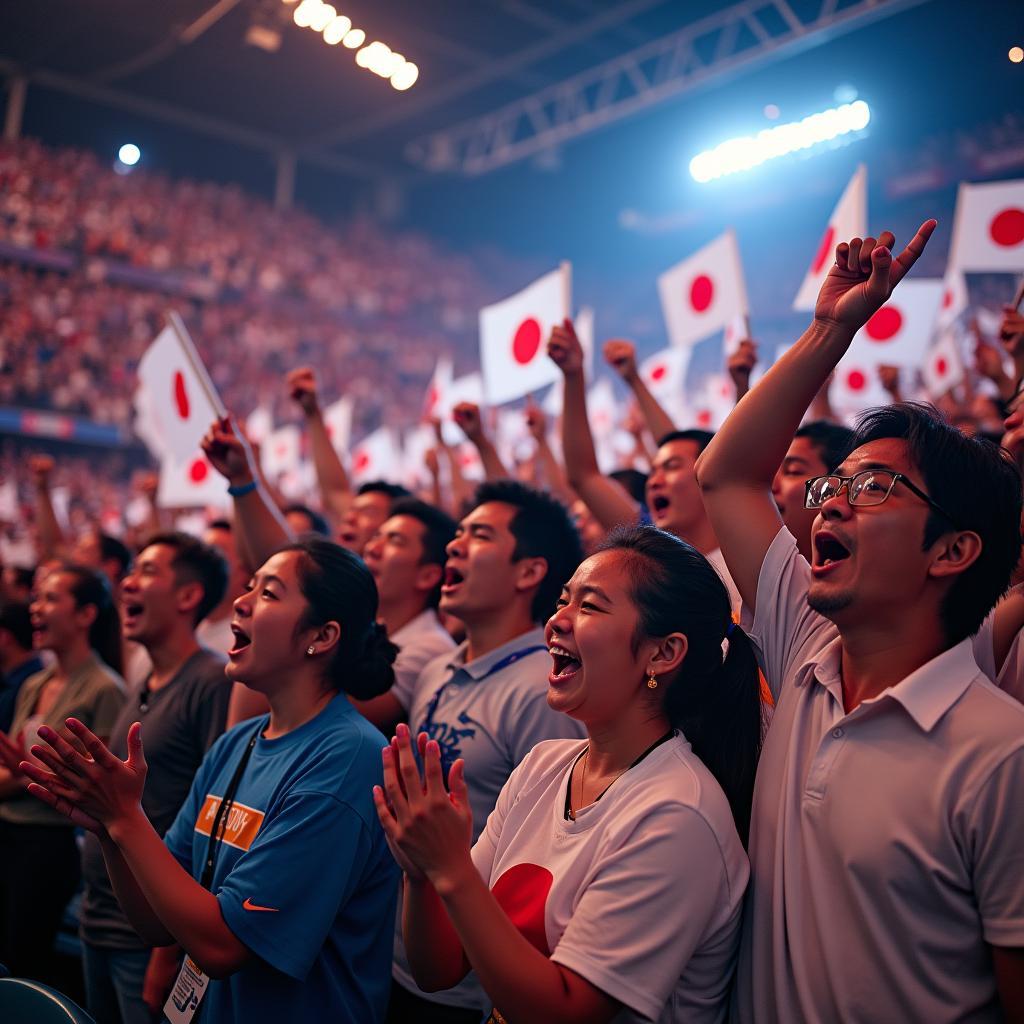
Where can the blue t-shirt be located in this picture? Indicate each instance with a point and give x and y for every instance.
(304, 876)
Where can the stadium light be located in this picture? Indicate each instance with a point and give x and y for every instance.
(749, 151)
(303, 14)
(337, 30)
(354, 39)
(129, 154)
(1016, 54)
(405, 76)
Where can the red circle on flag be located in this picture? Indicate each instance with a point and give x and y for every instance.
(702, 291)
(432, 397)
(180, 395)
(941, 366)
(947, 298)
(885, 324)
(658, 373)
(823, 250)
(704, 418)
(856, 381)
(1007, 227)
(361, 462)
(199, 470)
(526, 342)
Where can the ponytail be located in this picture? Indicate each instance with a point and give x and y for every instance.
(92, 587)
(715, 696)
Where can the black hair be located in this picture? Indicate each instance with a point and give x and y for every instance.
(196, 562)
(978, 485)
(112, 549)
(393, 491)
(220, 524)
(24, 577)
(633, 481)
(832, 441)
(701, 438)
(317, 523)
(338, 587)
(438, 532)
(16, 619)
(715, 700)
(542, 528)
(92, 587)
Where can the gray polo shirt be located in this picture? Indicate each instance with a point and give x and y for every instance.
(886, 843)
(490, 712)
(180, 723)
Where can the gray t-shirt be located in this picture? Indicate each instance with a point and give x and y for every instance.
(180, 723)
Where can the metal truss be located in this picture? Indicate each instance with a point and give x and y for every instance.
(725, 43)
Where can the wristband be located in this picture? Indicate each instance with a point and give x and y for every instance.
(241, 490)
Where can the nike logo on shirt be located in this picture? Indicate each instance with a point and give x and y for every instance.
(249, 905)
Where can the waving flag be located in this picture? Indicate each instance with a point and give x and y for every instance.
(988, 228)
(514, 335)
(849, 220)
(900, 332)
(703, 293)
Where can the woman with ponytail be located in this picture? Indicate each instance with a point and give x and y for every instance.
(73, 617)
(607, 883)
(275, 878)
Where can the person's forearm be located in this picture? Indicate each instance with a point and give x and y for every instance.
(51, 540)
(431, 943)
(335, 486)
(553, 472)
(751, 444)
(577, 440)
(462, 490)
(261, 526)
(189, 913)
(525, 985)
(436, 494)
(659, 423)
(136, 907)
(494, 468)
(821, 407)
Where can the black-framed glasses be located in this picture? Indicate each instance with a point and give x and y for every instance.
(868, 487)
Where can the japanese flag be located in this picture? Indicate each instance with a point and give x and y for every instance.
(856, 385)
(191, 482)
(900, 332)
(703, 293)
(943, 366)
(9, 511)
(735, 331)
(988, 228)
(259, 425)
(514, 335)
(377, 457)
(664, 373)
(415, 445)
(849, 220)
(471, 466)
(281, 451)
(713, 402)
(512, 436)
(338, 421)
(179, 402)
(954, 300)
(440, 383)
(602, 409)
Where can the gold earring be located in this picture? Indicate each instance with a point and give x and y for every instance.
(311, 649)
(652, 683)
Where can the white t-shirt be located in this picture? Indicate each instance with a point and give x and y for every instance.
(419, 642)
(1010, 675)
(640, 894)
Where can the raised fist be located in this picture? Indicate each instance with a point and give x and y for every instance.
(536, 421)
(742, 362)
(621, 357)
(467, 417)
(40, 466)
(564, 348)
(301, 385)
(229, 452)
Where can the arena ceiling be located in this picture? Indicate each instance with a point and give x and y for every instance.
(499, 80)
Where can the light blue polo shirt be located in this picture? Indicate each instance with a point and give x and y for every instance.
(304, 877)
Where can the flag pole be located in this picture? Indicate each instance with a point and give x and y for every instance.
(1019, 297)
(189, 349)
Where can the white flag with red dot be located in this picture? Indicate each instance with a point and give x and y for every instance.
(943, 366)
(703, 293)
(900, 332)
(954, 299)
(468, 388)
(849, 220)
(988, 228)
(712, 403)
(440, 383)
(856, 385)
(514, 335)
(338, 422)
(281, 451)
(177, 401)
(191, 482)
(664, 373)
(377, 457)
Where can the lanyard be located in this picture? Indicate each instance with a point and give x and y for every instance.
(220, 821)
(509, 659)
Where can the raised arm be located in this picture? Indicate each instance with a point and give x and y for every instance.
(740, 365)
(335, 486)
(621, 357)
(608, 501)
(551, 470)
(262, 529)
(467, 416)
(735, 471)
(52, 541)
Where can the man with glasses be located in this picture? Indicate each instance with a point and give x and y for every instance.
(885, 845)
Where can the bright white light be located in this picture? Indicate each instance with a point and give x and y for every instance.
(322, 17)
(303, 14)
(354, 39)
(378, 58)
(364, 56)
(129, 154)
(337, 30)
(1016, 54)
(748, 151)
(405, 76)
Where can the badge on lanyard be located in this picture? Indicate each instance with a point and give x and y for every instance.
(189, 989)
